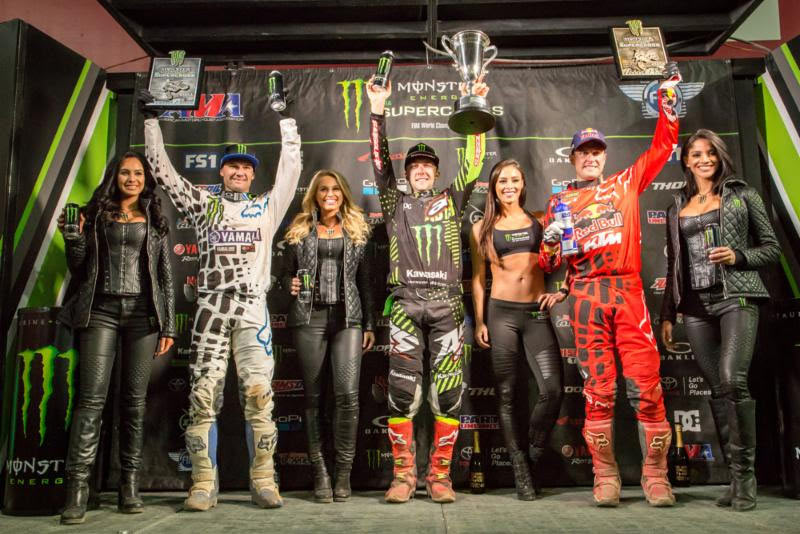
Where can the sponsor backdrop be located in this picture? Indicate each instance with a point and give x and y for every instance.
(537, 112)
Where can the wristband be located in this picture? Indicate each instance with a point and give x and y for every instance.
(563, 290)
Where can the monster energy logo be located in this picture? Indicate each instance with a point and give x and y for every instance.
(373, 458)
(271, 84)
(383, 64)
(241, 149)
(307, 281)
(421, 147)
(214, 210)
(467, 352)
(635, 26)
(49, 355)
(358, 87)
(181, 322)
(425, 233)
(176, 57)
(71, 214)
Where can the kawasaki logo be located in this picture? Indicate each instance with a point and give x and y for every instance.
(358, 88)
(49, 355)
(181, 322)
(425, 234)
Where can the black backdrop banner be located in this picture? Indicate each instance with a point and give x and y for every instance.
(537, 112)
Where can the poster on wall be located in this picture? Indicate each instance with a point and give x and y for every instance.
(537, 112)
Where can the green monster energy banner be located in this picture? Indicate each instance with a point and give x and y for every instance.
(537, 112)
(44, 399)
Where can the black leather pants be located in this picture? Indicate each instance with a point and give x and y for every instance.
(518, 330)
(130, 321)
(325, 338)
(722, 335)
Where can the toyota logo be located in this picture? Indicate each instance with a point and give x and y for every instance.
(669, 382)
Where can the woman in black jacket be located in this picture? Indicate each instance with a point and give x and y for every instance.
(120, 258)
(331, 317)
(718, 235)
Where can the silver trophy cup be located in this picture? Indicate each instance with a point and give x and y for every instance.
(468, 48)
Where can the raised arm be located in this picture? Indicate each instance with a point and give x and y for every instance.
(289, 168)
(471, 159)
(379, 149)
(188, 199)
(665, 139)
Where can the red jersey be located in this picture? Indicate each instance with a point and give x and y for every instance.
(606, 214)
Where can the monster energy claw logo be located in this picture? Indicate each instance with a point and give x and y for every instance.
(358, 87)
(49, 356)
(181, 322)
(306, 281)
(383, 64)
(426, 232)
(176, 57)
(71, 214)
(373, 458)
(635, 26)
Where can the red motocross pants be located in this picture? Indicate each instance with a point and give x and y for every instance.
(609, 316)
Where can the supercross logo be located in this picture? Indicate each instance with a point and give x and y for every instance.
(659, 285)
(48, 356)
(358, 88)
(212, 107)
(656, 217)
(647, 94)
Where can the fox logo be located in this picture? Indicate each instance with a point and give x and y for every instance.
(660, 443)
(599, 440)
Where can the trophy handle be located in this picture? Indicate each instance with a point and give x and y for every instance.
(493, 50)
(445, 41)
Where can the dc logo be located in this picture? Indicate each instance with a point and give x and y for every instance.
(213, 237)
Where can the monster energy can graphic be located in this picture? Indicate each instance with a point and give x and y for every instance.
(305, 286)
(384, 68)
(72, 220)
(277, 96)
(44, 399)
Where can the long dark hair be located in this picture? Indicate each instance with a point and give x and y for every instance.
(724, 171)
(105, 199)
(492, 210)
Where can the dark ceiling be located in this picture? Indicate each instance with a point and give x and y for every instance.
(351, 31)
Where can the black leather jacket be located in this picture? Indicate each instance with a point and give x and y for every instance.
(358, 290)
(83, 265)
(744, 227)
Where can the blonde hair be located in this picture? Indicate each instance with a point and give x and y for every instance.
(352, 215)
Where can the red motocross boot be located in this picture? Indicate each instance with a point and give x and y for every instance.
(656, 437)
(440, 487)
(401, 435)
(599, 436)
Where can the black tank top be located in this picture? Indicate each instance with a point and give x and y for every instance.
(517, 241)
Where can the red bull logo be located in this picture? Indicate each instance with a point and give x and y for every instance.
(596, 218)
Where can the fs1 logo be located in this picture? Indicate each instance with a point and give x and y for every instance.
(358, 89)
(200, 161)
(48, 356)
(212, 107)
(688, 419)
(647, 94)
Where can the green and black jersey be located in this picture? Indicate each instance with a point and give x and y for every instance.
(424, 229)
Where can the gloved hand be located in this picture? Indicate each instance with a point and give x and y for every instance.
(671, 75)
(552, 234)
(143, 97)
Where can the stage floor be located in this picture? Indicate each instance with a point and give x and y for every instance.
(558, 510)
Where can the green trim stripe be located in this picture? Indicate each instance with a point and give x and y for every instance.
(781, 148)
(790, 277)
(790, 60)
(23, 221)
(52, 271)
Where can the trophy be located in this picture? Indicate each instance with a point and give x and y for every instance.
(639, 52)
(175, 81)
(471, 114)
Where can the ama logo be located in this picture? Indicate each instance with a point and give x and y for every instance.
(212, 107)
(647, 94)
